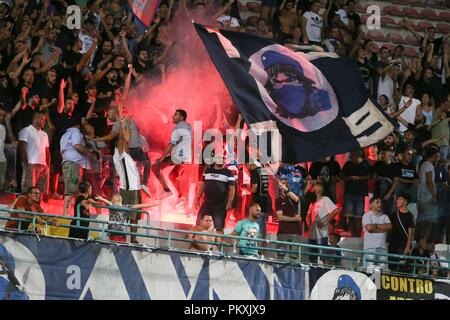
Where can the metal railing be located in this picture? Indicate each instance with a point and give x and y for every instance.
(233, 247)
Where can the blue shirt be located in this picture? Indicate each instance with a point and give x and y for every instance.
(295, 176)
(68, 141)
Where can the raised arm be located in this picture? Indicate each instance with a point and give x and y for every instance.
(61, 100)
(87, 56)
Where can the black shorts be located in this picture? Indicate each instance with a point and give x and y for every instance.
(138, 154)
(218, 214)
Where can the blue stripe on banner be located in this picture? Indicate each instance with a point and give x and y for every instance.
(285, 288)
(130, 274)
(181, 272)
(256, 279)
(201, 291)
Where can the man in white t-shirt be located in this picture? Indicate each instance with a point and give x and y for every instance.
(35, 154)
(319, 215)
(223, 16)
(409, 104)
(376, 227)
(3, 163)
(387, 83)
(427, 204)
(312, 25)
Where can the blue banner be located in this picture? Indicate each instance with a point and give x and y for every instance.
(317, 101)
(52, 268)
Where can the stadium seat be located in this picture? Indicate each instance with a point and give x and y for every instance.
(360, 8)
(411, 12)
(444, 16)
(251, 21)
(389, 22)
(375, 35)
(396, 38)
(429, 14)
(393, 10)
(411, 52)
(254, 6)
(443, 27)
(423, 25)
(391, 47)
(411, 40)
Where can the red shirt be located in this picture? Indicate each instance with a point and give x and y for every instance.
(22, 203)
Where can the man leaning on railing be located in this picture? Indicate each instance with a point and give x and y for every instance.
(249, 228)
(27, 202)
(207, 226)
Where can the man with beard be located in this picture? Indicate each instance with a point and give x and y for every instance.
(294, 93)
(103, 56)
(141, 64)
(249, 228)
(106, 89)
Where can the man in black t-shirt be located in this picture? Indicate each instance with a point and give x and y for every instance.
(259, 180)
(384, 173)
(326, 171)
(218, 186)
(405, 180)
(402, 232)
(356, 174)
(106, 91)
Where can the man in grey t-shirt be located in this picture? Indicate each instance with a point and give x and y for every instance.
(135, 143)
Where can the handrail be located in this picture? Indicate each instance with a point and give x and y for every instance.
(234, 240)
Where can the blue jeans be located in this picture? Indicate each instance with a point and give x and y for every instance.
(354, 206)
(261, 221)
(320, 242)
(379, 260)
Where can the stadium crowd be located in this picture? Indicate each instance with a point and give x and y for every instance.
(63, 105)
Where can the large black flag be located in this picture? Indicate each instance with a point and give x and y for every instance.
(317, 101)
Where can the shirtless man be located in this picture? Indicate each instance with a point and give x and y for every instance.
(207, 226)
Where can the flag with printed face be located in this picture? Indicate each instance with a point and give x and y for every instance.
(144, 10)
(317, 101)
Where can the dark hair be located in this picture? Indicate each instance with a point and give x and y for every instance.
(204, 215)
(83, 187)
(374, 198)
(385, 96)
(30, 189)
(430, 152)
(182, 113)
(254, 203)
(405, 196)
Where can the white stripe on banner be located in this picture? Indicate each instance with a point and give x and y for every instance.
(217, 177)
(364, 118)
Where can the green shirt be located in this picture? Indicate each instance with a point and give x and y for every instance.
(249, 229)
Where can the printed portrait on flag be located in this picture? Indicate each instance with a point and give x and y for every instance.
(293, 89)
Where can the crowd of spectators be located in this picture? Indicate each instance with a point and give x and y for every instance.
(63, 92)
